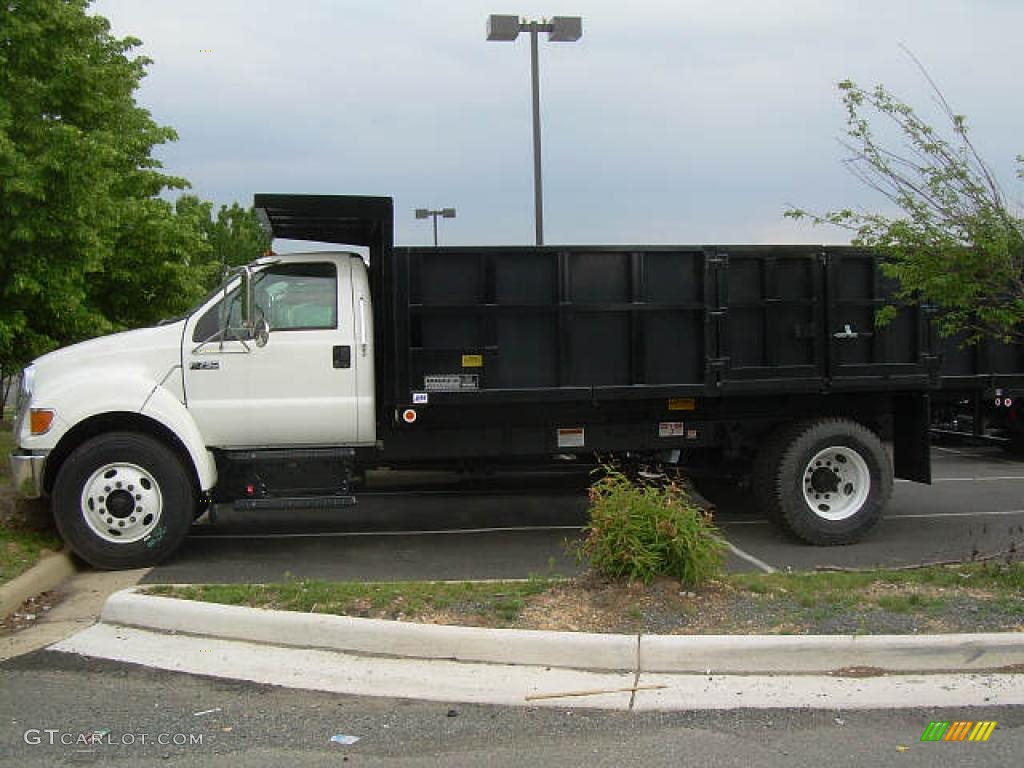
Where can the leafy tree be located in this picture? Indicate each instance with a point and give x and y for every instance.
(234, 236)
(85, 244)
(957, 244)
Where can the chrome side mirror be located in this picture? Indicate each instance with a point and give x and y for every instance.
(247, 295)
(261, 334)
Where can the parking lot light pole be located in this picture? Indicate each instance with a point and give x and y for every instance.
(560, 29)
(444, 213)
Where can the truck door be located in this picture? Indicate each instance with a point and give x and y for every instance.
(300, 389)
(862, 352)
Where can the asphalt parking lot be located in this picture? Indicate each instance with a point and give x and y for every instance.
(512, 526)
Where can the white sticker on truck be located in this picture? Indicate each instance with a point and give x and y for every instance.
(671, 429)
(451, 382)
(573, 437)
(420, 398)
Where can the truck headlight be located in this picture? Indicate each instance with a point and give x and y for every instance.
(28, 380)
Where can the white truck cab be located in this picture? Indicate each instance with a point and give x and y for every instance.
(120, 429)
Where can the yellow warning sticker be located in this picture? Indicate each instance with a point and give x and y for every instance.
(682, 404)
(472, 361)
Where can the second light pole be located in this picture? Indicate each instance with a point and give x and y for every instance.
(560, 29)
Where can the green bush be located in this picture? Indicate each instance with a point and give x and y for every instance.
(638, 531)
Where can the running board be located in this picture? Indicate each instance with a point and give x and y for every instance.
(290, 454)
(295, 502)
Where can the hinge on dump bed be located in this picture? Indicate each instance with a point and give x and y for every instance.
(933, 366)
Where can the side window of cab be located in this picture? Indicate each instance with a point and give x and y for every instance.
(292, 297)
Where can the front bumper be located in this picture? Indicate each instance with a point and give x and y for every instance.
(27, 474)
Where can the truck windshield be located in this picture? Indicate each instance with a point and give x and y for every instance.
(195, 307)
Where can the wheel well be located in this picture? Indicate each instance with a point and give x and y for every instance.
(113, 422)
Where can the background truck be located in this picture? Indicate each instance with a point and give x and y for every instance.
(279, 388)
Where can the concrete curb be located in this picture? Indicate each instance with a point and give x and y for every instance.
(721, 654)
(48, 573)
(131, 608)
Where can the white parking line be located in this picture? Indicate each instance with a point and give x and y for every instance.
(536, 528)
(983, 457)
(997, 513)
(357, 534)
(759, 564)
(994, 513)
(975, 479)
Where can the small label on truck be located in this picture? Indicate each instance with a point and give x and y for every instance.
(671, 429)
(451, 382)
(682, 404)
(573, 437)
(420, 398)
(472, 361)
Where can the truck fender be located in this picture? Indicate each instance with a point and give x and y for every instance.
(82, 398)
(164, 407)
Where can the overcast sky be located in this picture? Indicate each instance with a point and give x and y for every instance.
(686, 121)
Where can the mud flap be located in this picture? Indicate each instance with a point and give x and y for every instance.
(911, 439)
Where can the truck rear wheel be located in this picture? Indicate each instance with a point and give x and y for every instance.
(826, 482)
(123, 500)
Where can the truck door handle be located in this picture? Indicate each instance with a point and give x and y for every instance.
(362, 325)
(849, 332)
(342, 357)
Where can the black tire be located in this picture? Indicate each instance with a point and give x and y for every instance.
(826, 481)
(154, 517)
(762, 479)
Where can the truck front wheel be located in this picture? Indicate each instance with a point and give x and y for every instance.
(827, 481)
(123, 500)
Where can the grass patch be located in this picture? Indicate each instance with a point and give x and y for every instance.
(6, 446)
(983, 597)
(493, 603)
(23, 537)
(912, 603)
(863, 599)
(808, 588)
(20, 550)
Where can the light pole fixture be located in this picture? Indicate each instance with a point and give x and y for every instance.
(444, 213)
(560, 29)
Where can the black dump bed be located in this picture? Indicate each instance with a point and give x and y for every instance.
(602, 323)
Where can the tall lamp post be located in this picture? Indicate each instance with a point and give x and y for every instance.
(444, 213)
(560, 29)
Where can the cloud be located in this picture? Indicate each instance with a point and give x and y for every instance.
(667, 122)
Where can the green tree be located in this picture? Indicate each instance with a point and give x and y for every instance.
(236, 236)
(233, 237)
(956, 244)
(86, 245)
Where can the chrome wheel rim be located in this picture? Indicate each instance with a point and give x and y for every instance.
(836, 483)
(121, 503)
